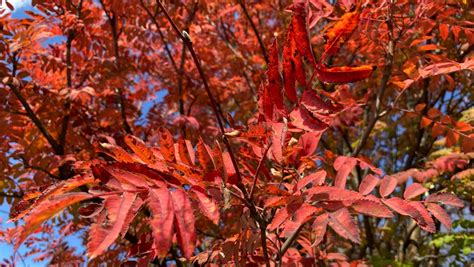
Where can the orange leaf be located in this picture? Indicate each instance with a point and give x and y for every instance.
(57, 190)
(344, 74)
(340, 32)
(424, 122)
(117, 153)
(166, 145)
(140, 149)
(45, 210)
(429, 47)
(444, 31)
(452, 138)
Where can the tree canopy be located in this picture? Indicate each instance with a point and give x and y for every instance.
(261, 132)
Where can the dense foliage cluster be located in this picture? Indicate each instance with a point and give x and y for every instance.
(277, 133)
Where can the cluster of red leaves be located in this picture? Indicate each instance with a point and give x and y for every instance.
(177, 181)
(169, 188)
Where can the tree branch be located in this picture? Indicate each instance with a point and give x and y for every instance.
(387, 72)
(13, 195)
(254, 28)
(67, 105)
(58, 149)
(28, 166)
(115, 35)
(263, 236)
(289, 241)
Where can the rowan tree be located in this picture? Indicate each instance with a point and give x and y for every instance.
(276, 133)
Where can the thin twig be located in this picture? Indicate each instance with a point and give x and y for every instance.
(387, 72)
(12, 195)
(112, 19)
(67, 105)
(289, 241)
(37, 168)
(254, 28)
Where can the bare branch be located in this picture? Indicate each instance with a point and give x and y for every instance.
(254, 28)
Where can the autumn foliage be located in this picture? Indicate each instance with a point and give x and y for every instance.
(277, 133)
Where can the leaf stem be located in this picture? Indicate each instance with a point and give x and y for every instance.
(254, 28)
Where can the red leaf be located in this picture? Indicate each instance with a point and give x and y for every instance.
(140, 149)
(331, 193)
(58, 190)
(341, 222)
(166, 145)
(137, 204)
(368, 184)
(372, 208)
(208, 206)
(299, 215)
(444, 68)
(340, 32)
(265, 104)
(440, 214)
(229, 168)
(44, 210)
(308, 143)
(427, 222)
(184, 220)
(429, 47)
(319, 228)
(183, 153)
(387, 185)
(296, 47)
(204, 156)
(278, 219)
(278, 140)
(10, 6)
(400, 205)
(425, 122)
(412, 209)
(316, 178)
(365, 164)
(320, 109)
(302, 119)
(117, 153)
(273, 85)
(161, 207)
(126, 177)
(100, 237)
(343, 165)
(414, 190)
(186, 121)
(446, 199)
(344, 74)
(444, 31)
